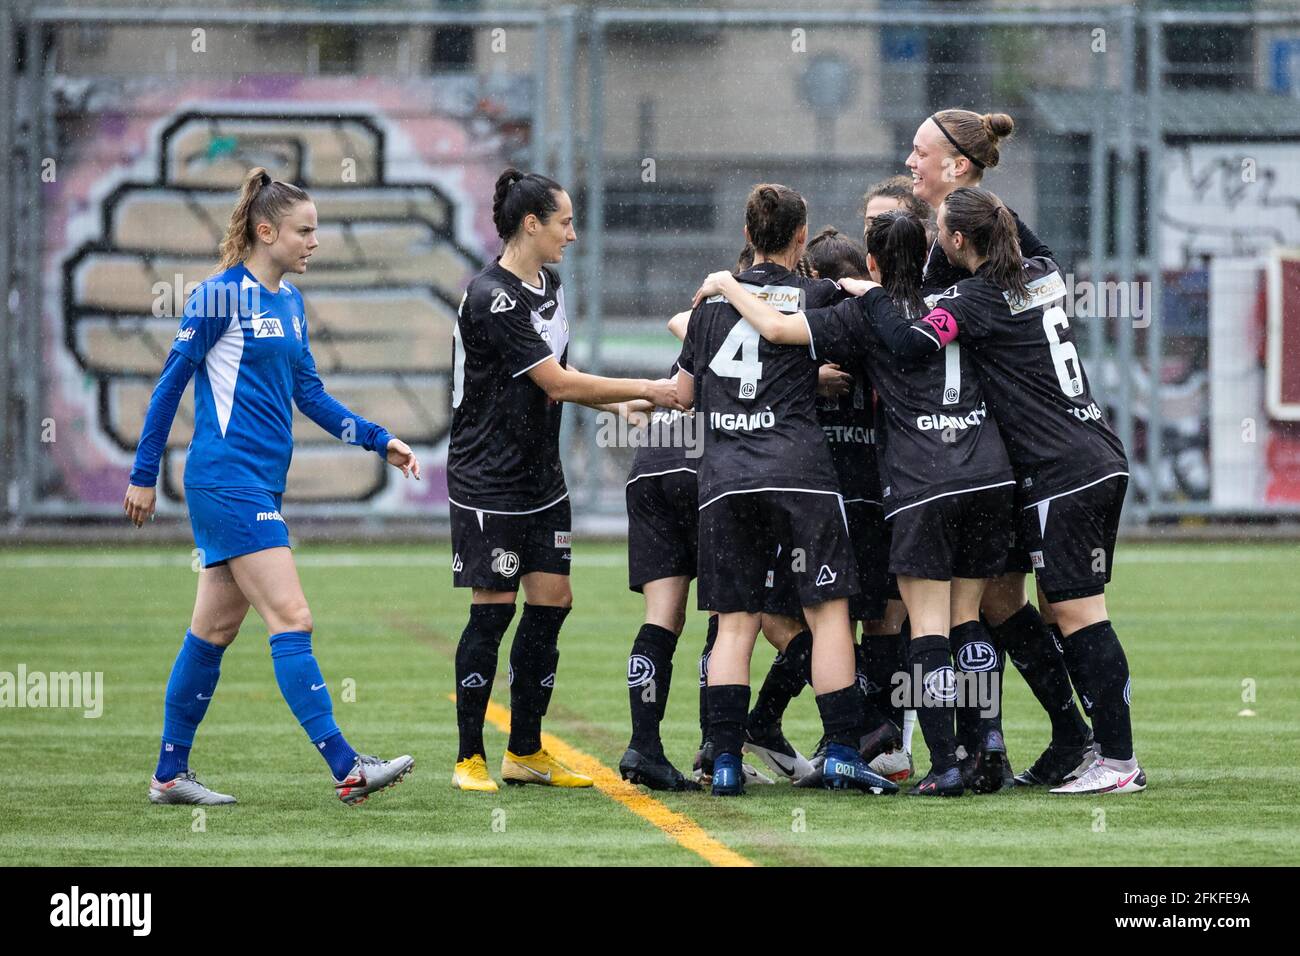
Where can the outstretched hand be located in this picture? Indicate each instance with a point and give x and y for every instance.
(858, 286)
(400, 455)
(714, 284)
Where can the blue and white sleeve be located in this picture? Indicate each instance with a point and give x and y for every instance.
(329, 413)
(176, 375)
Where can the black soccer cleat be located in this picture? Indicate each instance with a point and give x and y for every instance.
(985, 771)
(888, 736)
(945, 784)
(1055, 765)
(702, 771)
(653, 772)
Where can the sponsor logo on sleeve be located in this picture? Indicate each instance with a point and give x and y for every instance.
(563, 539)
(501, 302)
(184, 335)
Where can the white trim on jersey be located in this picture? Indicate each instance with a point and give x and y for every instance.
(751, 491)
(656, 474)
(485, 511)
(222, 362)
(532, 288)
(937, 343)
(948, 494)
(531, 367)
(1113, 474)
(811, 349)
(863, 501)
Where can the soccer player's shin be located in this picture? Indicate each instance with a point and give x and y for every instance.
(1069, 656)
(789, 674)
(649, 675)
(1029, 644)
(1100, 671)
(189, 689)
(534, 656)
(931, 659)
(476, 666)
(709, 640)
(304, 690)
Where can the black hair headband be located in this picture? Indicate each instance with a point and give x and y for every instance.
(955, 145)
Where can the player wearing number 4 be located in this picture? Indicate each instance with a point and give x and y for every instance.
(510, 519)
(1070, 467)
(244, 339)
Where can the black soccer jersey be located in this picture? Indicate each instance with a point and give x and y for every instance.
(670, 443)
(941, 274)
(936, 437)
(756, 400)
(849, 424)
(1034, 382)
(504, 453)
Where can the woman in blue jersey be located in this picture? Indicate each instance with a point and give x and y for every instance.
(244, 340)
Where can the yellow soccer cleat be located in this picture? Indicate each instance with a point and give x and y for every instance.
(472, 774)
(541, 768)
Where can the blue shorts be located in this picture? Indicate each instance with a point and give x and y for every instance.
(228, 522)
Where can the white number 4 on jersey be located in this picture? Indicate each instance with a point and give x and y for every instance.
(741, 341)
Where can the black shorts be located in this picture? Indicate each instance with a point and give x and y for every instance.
(739, 534)
(1071, 539)
(965, 535)
(663, 523)
(494, 551)
(869, 538)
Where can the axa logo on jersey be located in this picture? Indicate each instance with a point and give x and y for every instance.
(265, 327)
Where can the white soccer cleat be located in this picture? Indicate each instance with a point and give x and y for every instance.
(753, 776)
(1103, 777)
(1089, 758)
(185, 788)
(895, 765)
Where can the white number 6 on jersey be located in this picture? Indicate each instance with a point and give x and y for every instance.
(1063, 353)
(742, 340)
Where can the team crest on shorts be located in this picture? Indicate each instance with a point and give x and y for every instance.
(1036, 558)
(505, 563)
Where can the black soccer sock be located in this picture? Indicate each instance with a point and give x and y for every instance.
(649, 673)
(709, 640)
(1100, 671)
(1068, 655)
(476, 666)
(878, 662)
(533, 659)
(931, 656)
(1029, 644)
(728, 705)
(787, 677)
(843, 716)
(973, 652)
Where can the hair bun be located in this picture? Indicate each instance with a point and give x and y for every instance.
(999, 125)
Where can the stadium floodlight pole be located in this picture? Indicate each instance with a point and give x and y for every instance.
(541, 147)
(1097, 209)
(1155, 331)
(566, 128)
(1125, 238)
(593, 267)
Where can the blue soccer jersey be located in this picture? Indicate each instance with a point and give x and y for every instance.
(249, 352)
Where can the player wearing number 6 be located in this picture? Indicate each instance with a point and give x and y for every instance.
(1070, 466)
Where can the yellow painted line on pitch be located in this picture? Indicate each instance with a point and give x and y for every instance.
(677, 825)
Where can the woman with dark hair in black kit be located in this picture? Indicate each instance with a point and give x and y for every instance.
(510, 518)
(947, 487)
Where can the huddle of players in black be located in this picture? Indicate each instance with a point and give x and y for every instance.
(905, 418)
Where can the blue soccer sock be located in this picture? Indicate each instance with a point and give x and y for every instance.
(304, 690)
(190, 688)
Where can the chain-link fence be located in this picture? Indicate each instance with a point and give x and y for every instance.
(1155, 152)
